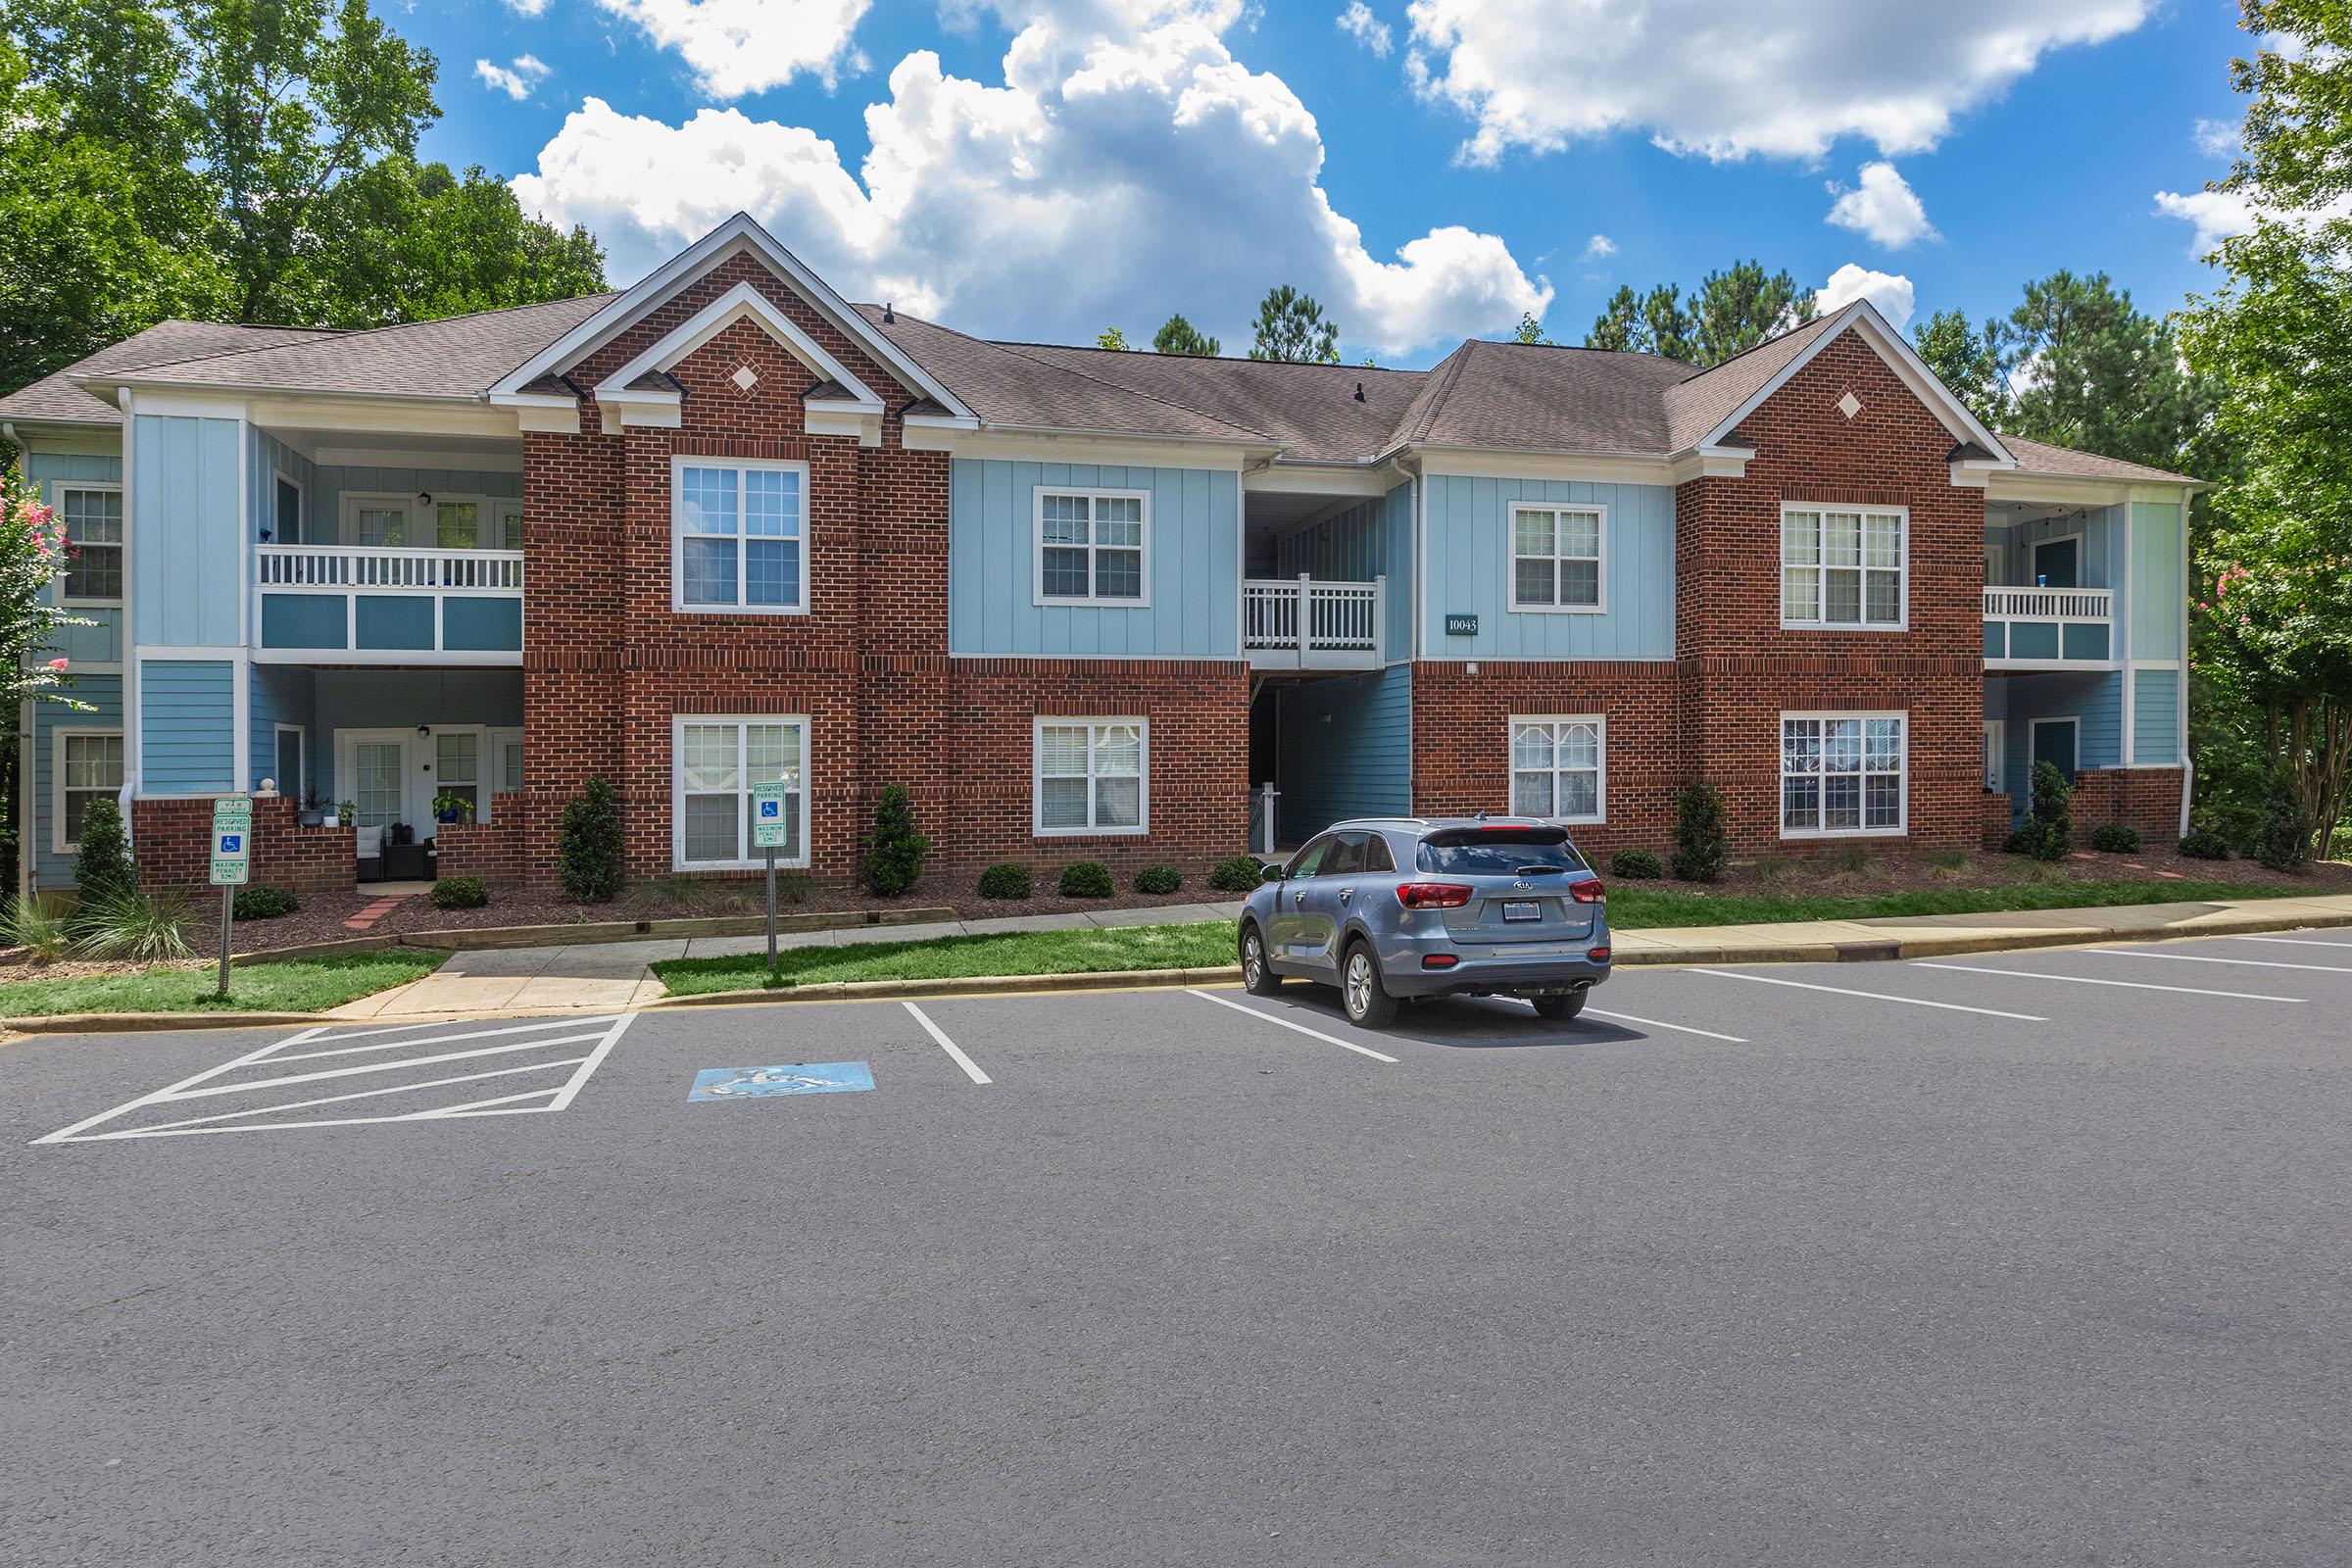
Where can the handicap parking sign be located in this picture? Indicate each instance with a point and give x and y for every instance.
(770, 827)
(232, 841)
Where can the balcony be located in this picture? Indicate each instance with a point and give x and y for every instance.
(385, 605)
(2048, 628)
(1300, 623)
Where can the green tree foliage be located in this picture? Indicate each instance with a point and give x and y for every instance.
(1967, 360)
(1730, 312)
(894, 849)
(1530, 329)
(2048, 830)
(1699, 850)
(588, 847)
(2297, 139)
(1176, 335)
(32, 552)
(2084, 368)
(103, 875)
(1110, 337)
(1292, 326)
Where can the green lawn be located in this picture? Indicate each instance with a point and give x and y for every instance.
(1632, 905)
(297, 985)
(1092, 951)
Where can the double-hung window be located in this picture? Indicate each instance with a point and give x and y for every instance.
(1090, 546)
(1092, 777)
(90, 764)
(1842, 773)
(714, 763)
(1557, 557)
(740, 535)
(93, 519)
(1843, 567)
(1557, 768)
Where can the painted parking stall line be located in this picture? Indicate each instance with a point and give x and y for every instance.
(2300, 942)
(1655, 1024)
(401, 1062)
(2096, 980)
(1286, 1023)
(971, 1069)
(2206, 958)
(1871, 996)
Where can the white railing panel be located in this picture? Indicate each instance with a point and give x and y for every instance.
(380, 567)
(1307, 618)
(2049, 604)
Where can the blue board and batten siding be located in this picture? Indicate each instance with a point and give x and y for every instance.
(188, 558)
(1344, 749)
(2157, 591)
(1371, 540)
(1192, 544)
(1468, 559)
(53, 472)
(188, 712)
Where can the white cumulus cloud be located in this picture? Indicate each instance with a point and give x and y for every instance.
(1778, 78)
(737, 47)
(516, 81)
(2220, 214)
(1890, 292)
(1600, 247)
(1883, 207)
(527, 7)
(1359, 23)
(2216, 139)
(1125, 170)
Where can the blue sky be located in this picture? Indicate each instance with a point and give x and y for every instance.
(1095, 161)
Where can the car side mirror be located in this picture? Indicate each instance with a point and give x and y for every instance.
(1269, 871)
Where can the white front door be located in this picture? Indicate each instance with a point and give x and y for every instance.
(380, 771)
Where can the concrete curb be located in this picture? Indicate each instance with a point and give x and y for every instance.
(117, 1023)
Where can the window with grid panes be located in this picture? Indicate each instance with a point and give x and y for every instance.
(1556, 769)
(1091, 545)
(1842, 566)
(1555, 558)
(1090, 775)
(1842, 773)
(717, 762)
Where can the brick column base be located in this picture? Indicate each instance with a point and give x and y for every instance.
(1995, 832)
(492, 850)
(2144, 798)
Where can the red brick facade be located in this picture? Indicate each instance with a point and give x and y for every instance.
(492, 850)
(172, 841)
(2144, 798)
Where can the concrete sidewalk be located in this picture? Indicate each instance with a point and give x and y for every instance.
(606, 977)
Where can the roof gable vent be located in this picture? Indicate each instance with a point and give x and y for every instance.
(1360, 391)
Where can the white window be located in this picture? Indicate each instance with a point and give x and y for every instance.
(1090, 546)
(457, 769)
(506, 524)
(378, 522)
(93, 519)
(1556, 557)
(457, 524)
(506, 760)
(1557, 767)
(1092, 777)
(1842, 773)
(1843, 567)
(739, 530)
(714, 763)
(89, 763)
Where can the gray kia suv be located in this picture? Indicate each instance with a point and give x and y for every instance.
(1394, 908)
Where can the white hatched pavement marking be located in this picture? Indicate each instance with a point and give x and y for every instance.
(971, 1069)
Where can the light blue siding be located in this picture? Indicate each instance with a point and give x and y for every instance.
(1373, 539)
(2094, 701)
(1193, 543)
(2101, 562)
(403, 699)
(330, 484)
(2155, 612)
(100, 642)
(188, 555)
(280, 694)
(1344, 750)
(186, 727)
(1469, 564)
(271, 458)
(104, 694)
(2155, 717)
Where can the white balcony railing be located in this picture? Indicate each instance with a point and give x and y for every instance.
(1300, 623)
(385, 567)
(2049, 604)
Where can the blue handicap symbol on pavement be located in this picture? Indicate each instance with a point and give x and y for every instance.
(230, 842)
(798, 1078)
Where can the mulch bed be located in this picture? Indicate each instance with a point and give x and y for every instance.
(1833, 876)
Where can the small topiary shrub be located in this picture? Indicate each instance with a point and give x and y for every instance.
(2114, 838)
(264, 903)
(459, 892)
(2050, 830)
(2204, 844)
(1638, 866)
(894, 850)
(102, 871)
(1698, 848)
(1005, 882)
(588, 852)
(2281, 842)
(1158, 879)
(1087, 879)
(1237, 876)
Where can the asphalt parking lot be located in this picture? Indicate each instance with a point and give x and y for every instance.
(2030, 1258)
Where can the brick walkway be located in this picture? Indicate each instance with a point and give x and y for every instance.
(374, 912)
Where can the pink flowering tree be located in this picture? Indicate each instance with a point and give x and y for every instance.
(33, 553)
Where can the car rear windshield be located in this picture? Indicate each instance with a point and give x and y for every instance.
(1499, 852)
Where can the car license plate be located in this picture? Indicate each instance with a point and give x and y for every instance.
(1522, 910)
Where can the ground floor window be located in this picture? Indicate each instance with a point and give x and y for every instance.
(90, 764)
(1842, 773)
(1556, 767)
(1092, 777)
(714, 760)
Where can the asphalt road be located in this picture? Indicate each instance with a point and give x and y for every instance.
(1809, 1277)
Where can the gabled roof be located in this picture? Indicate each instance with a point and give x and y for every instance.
(1698, 405)
(1543, 397)
(59, 396)
(2040, 457)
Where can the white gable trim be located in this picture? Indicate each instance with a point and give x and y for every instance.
(1863, 319)
(859, 414)
(739, 234)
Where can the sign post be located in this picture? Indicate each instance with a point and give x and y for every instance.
(769, 825)
(232, 863)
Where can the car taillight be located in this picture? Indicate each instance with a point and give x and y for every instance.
(1588, 892)
(1432, 895)
(1598, 955)
(1439, 961)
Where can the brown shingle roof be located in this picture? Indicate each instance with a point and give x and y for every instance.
(57, 397)
(1697, 406)
(1543, 396)
(2040, 457)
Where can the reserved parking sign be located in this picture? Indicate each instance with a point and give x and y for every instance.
(232, 841)
(770, 827)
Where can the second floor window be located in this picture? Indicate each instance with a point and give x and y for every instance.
(1090, 546)
(1555, 558)
(94, 520)
(1842, 568)
(740, 536)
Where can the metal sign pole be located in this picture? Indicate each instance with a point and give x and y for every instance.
(771, 912)
(232, 864)
(228, 915)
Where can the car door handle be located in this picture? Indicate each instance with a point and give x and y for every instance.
(1346, 894)
(1299, 898)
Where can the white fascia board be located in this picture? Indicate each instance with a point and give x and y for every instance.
(2059, 489)
(542, 413)
(1347, 481)
(1484, 462)
(741, 303)
(1118, 448)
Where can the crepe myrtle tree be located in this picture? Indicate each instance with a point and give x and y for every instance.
(34, 554)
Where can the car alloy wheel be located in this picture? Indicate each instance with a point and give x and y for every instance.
(1253, 959)
(1359, 983)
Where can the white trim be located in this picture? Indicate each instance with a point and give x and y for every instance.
(240, 672)
(1102, 448)
(1574, 467)
(348, 503)
(678, 464)
(1822, 568)
(743, 790)
(57, 502)
(1037, 548)
(1091, 722)
(1600, 559)
(277, 730)
(1780, 807)
(1996, 754)
(2033, 745)
(416, 810)
(58, 844)
(1600, 726)
(741, 303)
(135, 672)
(464, 659)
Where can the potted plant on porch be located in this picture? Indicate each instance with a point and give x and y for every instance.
(449, 807)
(312, 815)
(344, 811)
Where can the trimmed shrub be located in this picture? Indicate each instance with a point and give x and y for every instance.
(1087, 879)
(588, 853)
(894, 850)
(1698, 847)
(459, 892)
(264, 903)
(1005, 882)
(1158, 879)
(2281, 842)
(1638, 866)
(2204, 844)
(2114, 838)
(102, 873)
(2049, 831)
(1237, 876)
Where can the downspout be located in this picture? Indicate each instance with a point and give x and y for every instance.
(129, 633)
(27, 849)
